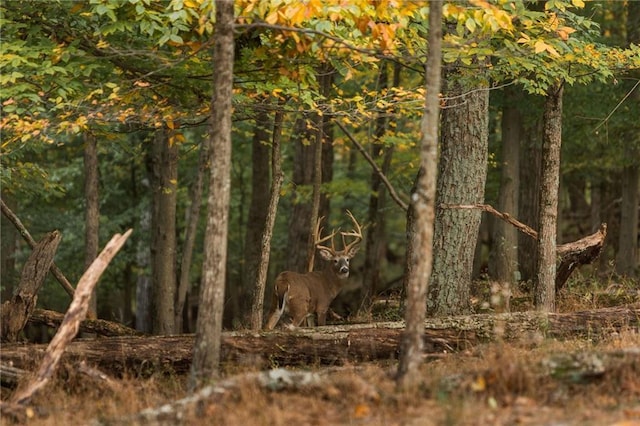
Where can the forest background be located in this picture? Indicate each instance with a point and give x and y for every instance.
(105, 111)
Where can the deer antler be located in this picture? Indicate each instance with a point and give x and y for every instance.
(317, 240)
(356, 232)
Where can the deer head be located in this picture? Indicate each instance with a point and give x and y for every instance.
(304, 295)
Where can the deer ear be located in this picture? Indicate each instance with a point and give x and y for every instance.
(352, 251)
(325, 253)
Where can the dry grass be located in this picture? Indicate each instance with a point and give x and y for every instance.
(497, 384)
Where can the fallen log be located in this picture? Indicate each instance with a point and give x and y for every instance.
(97, 326)
(330, 345)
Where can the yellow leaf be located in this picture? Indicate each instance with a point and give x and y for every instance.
(553, 51)
(361, 410)
(540, 46)
(272, 18)
(479, 384)
(578, 3)
(170, 124)
(471, 25)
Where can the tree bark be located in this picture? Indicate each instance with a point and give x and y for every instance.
(164, 172)
(333, 345)
(206, 357)
(16, 311)
(544, 291)
(423, 206)
(257, 306)
(92, 210)
(505, 239)
(461, 179)
(8, 246)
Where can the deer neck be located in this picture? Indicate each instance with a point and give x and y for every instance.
(335, 284)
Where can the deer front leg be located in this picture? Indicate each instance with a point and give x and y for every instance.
(322, 317)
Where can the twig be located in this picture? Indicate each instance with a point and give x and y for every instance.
(71, 324)
(27, 237)
(403, 205)
(504, 216)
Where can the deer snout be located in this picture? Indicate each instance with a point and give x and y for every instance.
(344, 270)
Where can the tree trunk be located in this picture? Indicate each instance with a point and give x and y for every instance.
(206, 357)
(505, 237)
(462, 173)
(375, 243)
(92, 210)
(15, 312)
(8, 248)
(323, 129)
(164, 172)
(257, 306)
(545, 290)
(193, 217)
(529, 199)
(258, 208)
(423, 206)
(299, 219)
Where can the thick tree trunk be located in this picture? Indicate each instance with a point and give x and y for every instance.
(505, 238)
(15, 312)
(461, 179)
(627, 256)
(257, 306)
(164, 172)
(529, 198)
(423, 206)
(92, 210)
(206, 357)
(544, 291)
(333, 344)
(299, 219)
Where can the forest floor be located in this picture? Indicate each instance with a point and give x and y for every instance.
(491, 384)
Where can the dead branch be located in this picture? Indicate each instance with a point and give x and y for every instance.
(57, 273)
(16, 312)
(504, 216)
(70, 325)
(403, 205)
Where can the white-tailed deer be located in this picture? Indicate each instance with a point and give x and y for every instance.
(304, 295)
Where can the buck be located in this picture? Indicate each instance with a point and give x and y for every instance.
(304, 295)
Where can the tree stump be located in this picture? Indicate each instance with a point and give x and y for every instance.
(15, 312)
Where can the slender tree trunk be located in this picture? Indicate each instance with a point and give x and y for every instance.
(206, 357)
(193, 217)
(8, 248)
(265, 244)
(258, 207)
(423, 206)
(92, 211)
(545, 291)
(325, 78)
(374, 243)
(505, 238)
(164, 171)
(461, 180)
